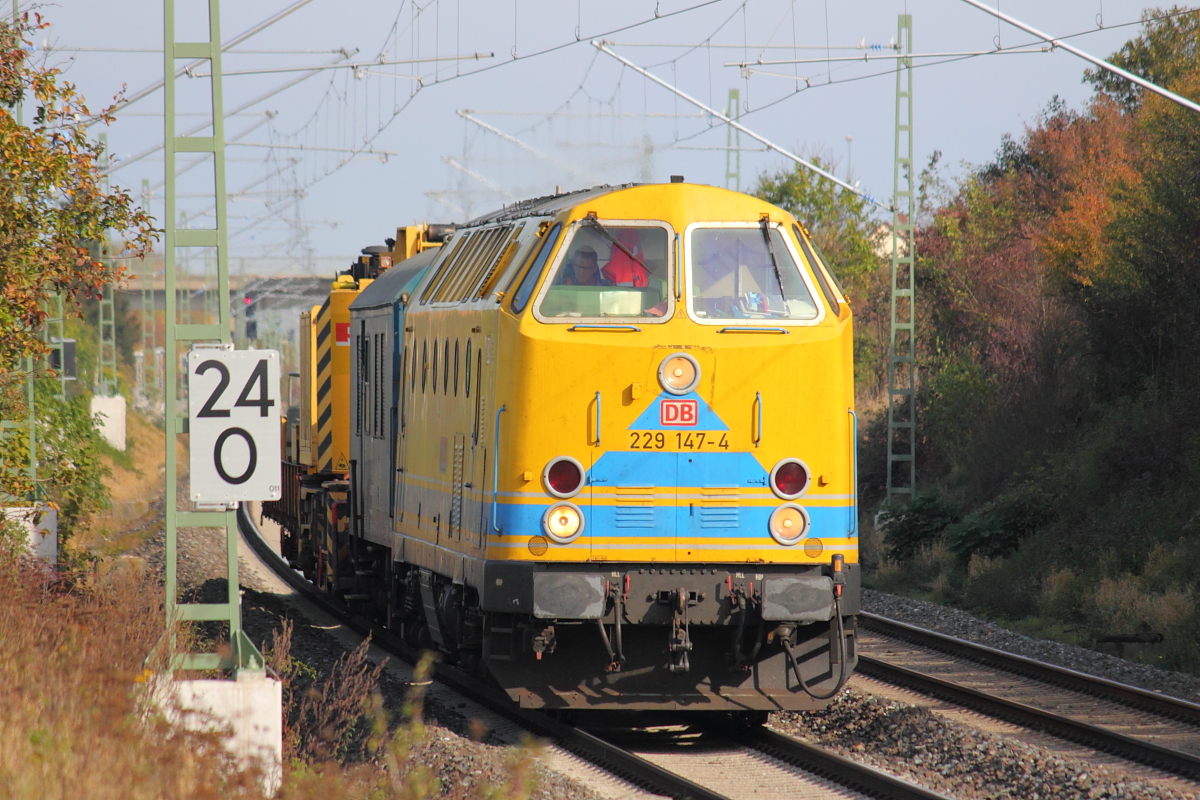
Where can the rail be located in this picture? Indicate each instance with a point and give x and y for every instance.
(609, 757)
(1119, 744)
(838, 769)
(1131, 696)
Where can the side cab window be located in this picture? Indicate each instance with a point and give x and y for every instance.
(525, 290)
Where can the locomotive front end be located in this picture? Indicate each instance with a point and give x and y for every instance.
(672, 522)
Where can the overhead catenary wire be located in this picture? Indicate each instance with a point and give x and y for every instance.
(125, 102)
(706, 45)
(887, 56)
(488, 182)
(351, 66)
(892, 72)
(527, 147)
(1075, 51)
(236, 110)
(735, 124)
(368, 138)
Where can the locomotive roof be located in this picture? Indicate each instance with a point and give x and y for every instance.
(386, 289)
(548, 205)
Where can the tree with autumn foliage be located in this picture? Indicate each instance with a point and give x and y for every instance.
(1059, 363)
(52, 201)
(53, 210)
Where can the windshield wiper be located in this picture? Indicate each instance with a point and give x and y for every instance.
(766, 232)
(607, 234)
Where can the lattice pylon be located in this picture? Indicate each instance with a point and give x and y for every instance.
(733, 144)
(902, 407)
(241, 653)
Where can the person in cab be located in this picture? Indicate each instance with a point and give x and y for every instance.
(585, 270)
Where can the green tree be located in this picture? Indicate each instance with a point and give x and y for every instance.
(846, 231)
(52, 201)
(841, 222)
(1167, 50)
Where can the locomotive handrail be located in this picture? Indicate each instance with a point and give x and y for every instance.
(496, 468)
(678, 270)
(634, 328)
(751, 329)
(598, 419)
(758, 404)
(854, 475)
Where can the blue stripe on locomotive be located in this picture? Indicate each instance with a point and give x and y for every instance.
(693, 471)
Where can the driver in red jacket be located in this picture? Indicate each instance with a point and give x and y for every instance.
(623, 270)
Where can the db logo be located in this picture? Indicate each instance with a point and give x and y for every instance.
(678, 412)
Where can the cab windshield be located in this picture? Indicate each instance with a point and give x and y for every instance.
(608, 271)
(735, 275)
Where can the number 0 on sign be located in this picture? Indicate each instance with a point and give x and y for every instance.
(233, 419)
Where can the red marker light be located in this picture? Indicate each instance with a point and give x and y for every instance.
(563, 476)
(789, 478)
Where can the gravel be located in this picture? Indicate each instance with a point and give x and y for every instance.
(906, 740)
(952, 758)
(961, 624)
(467, 762)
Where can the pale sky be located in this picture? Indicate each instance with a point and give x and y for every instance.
(572, 117)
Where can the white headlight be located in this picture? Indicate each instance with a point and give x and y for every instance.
(788, 524)
(563, 522)
(679, 373)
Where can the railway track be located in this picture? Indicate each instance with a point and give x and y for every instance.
(1134, 724)
(759, 749)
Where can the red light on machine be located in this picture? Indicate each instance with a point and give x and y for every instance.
(790, 478)
(563, 476)
(682, 413)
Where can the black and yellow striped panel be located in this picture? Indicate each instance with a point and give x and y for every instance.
(324, 325)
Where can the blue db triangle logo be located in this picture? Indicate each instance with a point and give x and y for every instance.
(681, 413)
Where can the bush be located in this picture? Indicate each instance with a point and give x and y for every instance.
(907, 529)
(1125, 604)
(1006, 588)
(997, 528)
(70, 469)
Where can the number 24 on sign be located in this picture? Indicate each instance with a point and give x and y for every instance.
(234, 425)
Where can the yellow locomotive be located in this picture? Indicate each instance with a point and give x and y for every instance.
(601, 449)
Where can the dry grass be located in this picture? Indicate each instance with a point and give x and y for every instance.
(325, 719)
(72, 721)
(78, 719)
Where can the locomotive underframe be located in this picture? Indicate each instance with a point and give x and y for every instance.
(598, 635)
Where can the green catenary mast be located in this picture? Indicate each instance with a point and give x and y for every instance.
(902, 406)
(241, 654)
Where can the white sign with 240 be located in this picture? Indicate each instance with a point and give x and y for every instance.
(233, 419)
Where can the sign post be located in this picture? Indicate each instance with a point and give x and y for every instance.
(233, 419)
